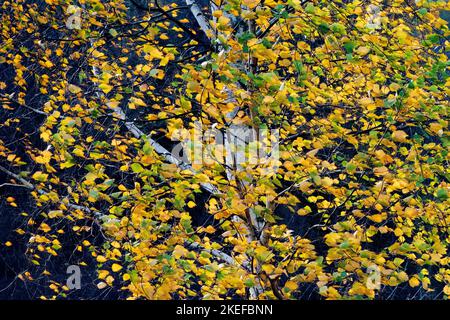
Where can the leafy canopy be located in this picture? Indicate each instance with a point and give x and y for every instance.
(358, 93)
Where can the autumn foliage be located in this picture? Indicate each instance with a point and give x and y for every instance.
(357, 208)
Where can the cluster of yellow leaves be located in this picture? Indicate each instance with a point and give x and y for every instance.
(362, 115)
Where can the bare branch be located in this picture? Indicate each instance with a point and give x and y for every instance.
(23, 105)
(18, 178)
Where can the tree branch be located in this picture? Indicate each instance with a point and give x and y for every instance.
(23, 105)
(201, 20)
(219, 254)
(18, 178)
(30, 186)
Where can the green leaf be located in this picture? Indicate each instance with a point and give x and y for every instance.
(249, 283)
(442, 194)
(310, 8)
(113, 32)
(349, 46)
(344, 245)
(137, 168)
(422, 11)
(147, 148)
(338, 28)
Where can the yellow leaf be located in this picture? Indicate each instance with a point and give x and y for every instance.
(55, 213)
(268, 268)
(48, 64)
(74, 89)
(113, 104)
(436, 128)
(263, 253)
(268, 99)
(291, 285)
(250, 3)
(398, 232)
(45, 136)
(411, 212)
(377, 218)
(109, 280)
(40, 176)
(414, 282)
(136, 102)
(101, 259)
(116, 267)
(45, 227)
(394, 86)
(210, 229)
(217, 13)
(362, 51)
(101, 285)
(191, 204)
(153, 51)
(331, 239)
(399, 136)
(126, 277)
(44, 157)
(380, 171)
(78, 152)
(105, 87)
(223, 21)
(149, 291)
(447, 290)
(179, 251)
(102, 274)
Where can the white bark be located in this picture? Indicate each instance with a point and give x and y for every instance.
(219, 254)
(202, 22)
